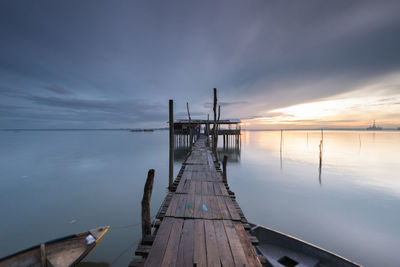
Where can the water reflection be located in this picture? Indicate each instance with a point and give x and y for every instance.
(358, 201)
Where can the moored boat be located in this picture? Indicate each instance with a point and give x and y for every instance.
(283, 250)
(66, 251)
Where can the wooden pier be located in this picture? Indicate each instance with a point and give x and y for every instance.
(199, 223)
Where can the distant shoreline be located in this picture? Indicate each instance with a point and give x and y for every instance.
(105, 129)
(325, 129)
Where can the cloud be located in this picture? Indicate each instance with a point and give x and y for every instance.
(261, 55)
(225, 104)
(57, 89)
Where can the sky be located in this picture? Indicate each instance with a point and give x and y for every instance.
(276, 64)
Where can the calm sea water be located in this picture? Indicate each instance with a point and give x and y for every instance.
(58, 183)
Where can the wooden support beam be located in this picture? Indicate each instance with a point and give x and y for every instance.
(171, 144)
(190, 125)
(148, 189)
(224, 175)
(215, 124)
(43, 255)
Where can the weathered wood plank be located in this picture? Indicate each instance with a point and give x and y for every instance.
(204, 188)
(180, 209)
(217, 189)
(247, 246)
(190, 204)
(198, 207)
(224, 192)
(198, 187)
(192, 187)
(206, 207)
(156, 253)
(238, 254)
(171, 251)
(199, 255)
(216, 212)
(211, 244)
(223, 208)
(186, 244)
(232, 209)
(172, 205)
(210, 188)
(224, 249)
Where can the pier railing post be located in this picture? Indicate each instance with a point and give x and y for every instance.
(148, 189)
(171, 143)
(224, 175)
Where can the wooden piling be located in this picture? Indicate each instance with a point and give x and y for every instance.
(215, 137)
(224, 175)
(171, 144)
(146, 219)
(190, 125)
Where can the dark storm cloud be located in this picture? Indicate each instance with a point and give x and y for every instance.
(101, 57)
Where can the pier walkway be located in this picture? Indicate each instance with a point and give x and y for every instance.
(200, 222)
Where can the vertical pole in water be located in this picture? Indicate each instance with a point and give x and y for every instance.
(190, 125)
(171, 143)
(148, 189)
(215, 125)
(224, 176)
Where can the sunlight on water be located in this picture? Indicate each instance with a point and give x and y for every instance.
(350, 206)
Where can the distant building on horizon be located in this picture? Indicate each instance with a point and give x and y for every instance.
(374, 128)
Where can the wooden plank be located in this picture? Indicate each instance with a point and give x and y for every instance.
(217, 189)
(210, 160)
(216, 212)
(238, 254)
(198, 207)
(171, 251)
(172, 205)
(190, 204)
(186, 244)
(210, 188)
(182, 183)
(224, 192)
(187, 174)
(206, 207)
(157, 250)
(180, 209)
(199, 255)
(232, 209)
(224, 249)
(204, 188)
(223, 208)
(249, 251)
(198, 187)
(192, 187)
(211, 244)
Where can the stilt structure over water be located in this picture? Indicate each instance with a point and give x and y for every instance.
(230, 135)
(199, 222)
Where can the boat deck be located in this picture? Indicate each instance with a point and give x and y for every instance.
(201, 223)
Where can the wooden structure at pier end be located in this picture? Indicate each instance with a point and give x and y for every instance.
(199, 222)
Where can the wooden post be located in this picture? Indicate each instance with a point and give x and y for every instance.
(190, 125)
(43, 256)
(224, 176)
(215, 125)
(171, 143)
(148, 188)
